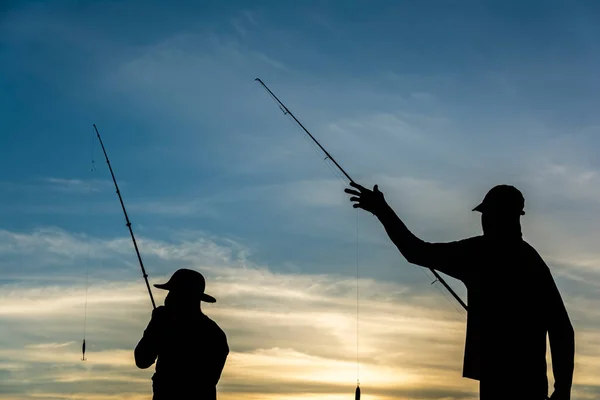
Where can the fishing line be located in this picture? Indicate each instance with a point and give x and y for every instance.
(341, 178)
(357, 308)
(286, 111)
(336, 172)
(445, 296)
(435, 280)
(87, 263)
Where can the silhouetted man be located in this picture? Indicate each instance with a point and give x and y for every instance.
(513, 300)
(190, 347)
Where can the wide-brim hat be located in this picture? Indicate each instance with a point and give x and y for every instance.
(188, 281)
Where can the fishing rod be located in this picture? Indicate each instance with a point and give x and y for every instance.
(126, 218)
(287, 111)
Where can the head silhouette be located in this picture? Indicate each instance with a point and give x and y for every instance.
(501, 210)
(183, 301)
(186, 290)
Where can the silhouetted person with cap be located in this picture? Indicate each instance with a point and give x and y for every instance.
(513, 302)
(189, 348)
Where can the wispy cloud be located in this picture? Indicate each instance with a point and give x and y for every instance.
(250, 301)
(239, 27)
(435, 124)
(408, 345)
(48, 345)
(56, 184)
(250, 16)
(324, 22)
(77, 185)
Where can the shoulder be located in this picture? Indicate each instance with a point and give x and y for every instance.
(535, 259)
(532, 252)
(461, 246)
(472, 240)
(214, 327)
(469, 243)
(160, 312)
(462, 249)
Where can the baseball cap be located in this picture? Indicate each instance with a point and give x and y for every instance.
(502, 199)
(187, 280)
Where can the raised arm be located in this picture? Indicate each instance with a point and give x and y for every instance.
(146, 351)
(449, 258)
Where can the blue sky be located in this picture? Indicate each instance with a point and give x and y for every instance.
(435, 101)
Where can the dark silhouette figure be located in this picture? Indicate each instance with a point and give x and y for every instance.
(190, 349)
(513, 302)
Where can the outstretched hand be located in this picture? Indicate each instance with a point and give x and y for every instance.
(369, 200)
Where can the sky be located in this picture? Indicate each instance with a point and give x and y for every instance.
(434, 101)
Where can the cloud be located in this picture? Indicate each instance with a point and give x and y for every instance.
(48, 345)
(292, 331)
(409, 346)
(560, 199)
(323, 21)
(423, 96)
(77, 185)
(239, 27)
(62, 185)
(259, 308)
(251, 17)
(182, 66)
(175, 208)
